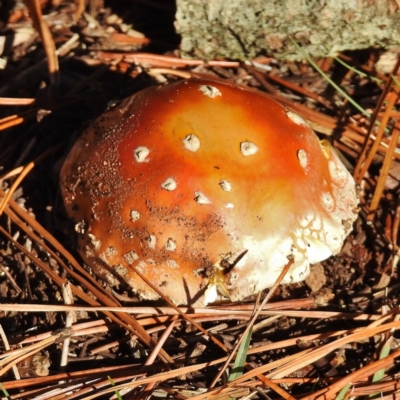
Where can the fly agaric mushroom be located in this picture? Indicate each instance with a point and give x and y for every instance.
(202, 185)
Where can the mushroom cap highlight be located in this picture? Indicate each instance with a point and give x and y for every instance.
(207, 189)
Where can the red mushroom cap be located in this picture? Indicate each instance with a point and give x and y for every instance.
(202, 183)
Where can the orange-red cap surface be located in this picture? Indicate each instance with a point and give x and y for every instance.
(199, 182)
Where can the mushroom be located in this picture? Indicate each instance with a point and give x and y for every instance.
(207, 189)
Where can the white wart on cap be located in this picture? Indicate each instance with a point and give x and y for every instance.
(201, 184)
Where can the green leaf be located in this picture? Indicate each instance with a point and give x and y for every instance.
(343, 392)
(396, 81)
(379, 375)
(112, 383)
(338, 88)
(238, 366)
(4, 391)
(356, 71)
